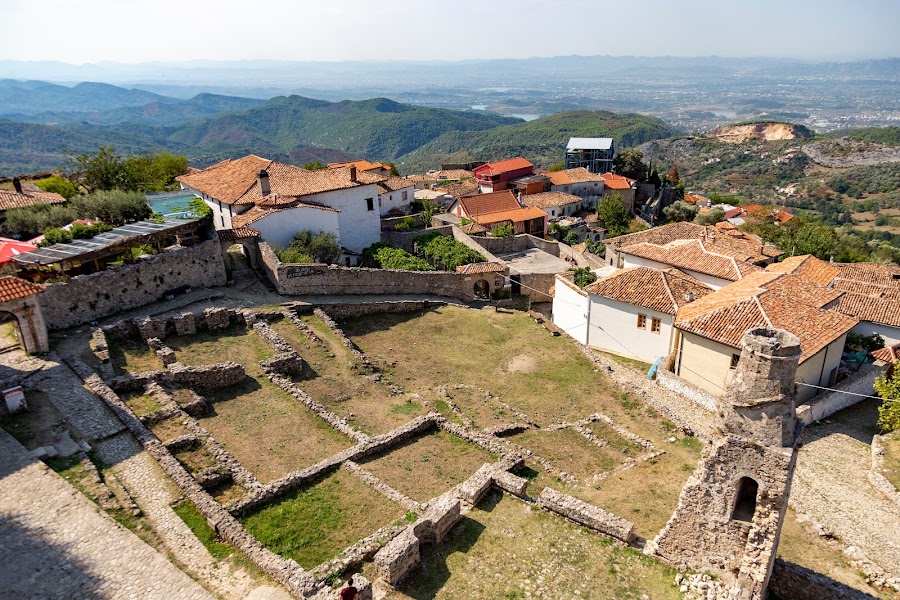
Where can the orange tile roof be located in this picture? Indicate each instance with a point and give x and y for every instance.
(617, 182)
(482, 267)
(889, 354)
(362, 165)
(692, 255)
(463, 188)
(885, 311)
(232, 235)
(12, 199)
(736, 244)
(660, 290)
(782, 216)
(808, 267)
(548, 199)
(481, 204)
(870, 273)
(516, 215)
(695, 198)
(13, 288)
(869, 289)
(510, 164)
(227, 180)
(393, 184)
(726, 314)
(578, 175)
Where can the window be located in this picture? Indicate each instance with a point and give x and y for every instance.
(654, 325)
(404, 195)
(565, 188)
(735, 358)
(370, 204)
(642, 322)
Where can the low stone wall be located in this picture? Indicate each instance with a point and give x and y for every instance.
(519, 243)
(793, 582)
(876, 477)
(347, 342)
(539, 286)
(827, 403)
(349, 311)
(320, 279)
(207, 376)
(683, 388)
(586, 514)
(87, 298)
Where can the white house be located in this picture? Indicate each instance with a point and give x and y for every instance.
(395, 194)
(709, 330)
(632, 312)
(555, 204)
(578, 182)
(279, 199)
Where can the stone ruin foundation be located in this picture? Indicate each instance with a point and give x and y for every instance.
(731, 509)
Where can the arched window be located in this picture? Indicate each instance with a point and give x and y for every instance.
(745, 504)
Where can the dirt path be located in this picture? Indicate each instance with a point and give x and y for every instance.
(831, 487)
(154, 494)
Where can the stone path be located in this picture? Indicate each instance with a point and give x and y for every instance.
(154, 494)
(55, 543)
(831, 487)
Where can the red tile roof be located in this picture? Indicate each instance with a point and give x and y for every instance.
(663, 291)
(579, 175)
(261, 211)
(736, 244)
(694, 198)
(808, 267)
(516, 215)
(482, 204)
(888, 354)
(240, 233)
(617, 182)
(885, 311)
(548, 199)
(227, 180)
(12, 199)
(870, 273)
(504, 166)
(13, 288)
(692, 255)
(482, 267)
(362, 165)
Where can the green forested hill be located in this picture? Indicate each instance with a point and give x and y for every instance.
(878, 135)
(542, 141)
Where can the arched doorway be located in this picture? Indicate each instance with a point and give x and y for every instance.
(10, 334)
(21, 313)
(482, 289)
(745, 502)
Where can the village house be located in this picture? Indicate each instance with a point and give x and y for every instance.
(630, 312)
(578, 182)
(279, 200)
(19, 197)
(395, 196)
(496, 176)
(439, 177)
(624, 186)
(709, 330)
(555, 204)
(594, 154)
(536, 183)
(375, 168)
(500, 208)
(870, 292)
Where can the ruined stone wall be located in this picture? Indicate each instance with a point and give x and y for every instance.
(320, 279)
(540, 286)
(349, 311)
(87, 298)
(586, 514)
(520, 243)
(793, 582)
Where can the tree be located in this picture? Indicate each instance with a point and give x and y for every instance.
(571, 238)
(672, 176)
(394, 171)
(710, 217)
(560, 166)
(503, 231)
(429, 209)
(108, 170)
(613, 215)
(29, 221)
(115, 207)
(307, 246)
(889, 389)
(314, 165)
(57, 184)
(598, 248)
(654, 177)
(583, 276)
(630, 163)
(680, 211)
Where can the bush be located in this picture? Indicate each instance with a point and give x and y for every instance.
(57, 184)
(395, 258)
(571, 238)
(612, 214)
(710, 217)
(29, 221)
(889, 389)
(583, 276)
(869, 343)
(55, 235)
(598, 248)
(446, 252)
(310, 247)
(503, 231)
(680, 211)
(115, 207)
(405, 224)
(82, 232)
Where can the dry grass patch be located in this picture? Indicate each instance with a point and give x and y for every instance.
(316, 522)
(483, 411)
(269, 431)
(568, 451)
(801, 544)
(169, 429)
(133, 356)
(235, 343)
(195, 459)
(8, 335)
(429, 465)
(505, 549)
(451, 345)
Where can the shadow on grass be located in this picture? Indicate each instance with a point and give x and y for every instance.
(354, 326)
(433, 572)
(247, 386)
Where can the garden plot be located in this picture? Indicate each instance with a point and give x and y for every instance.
(132, 356)
(427, 466)
(270, 432)
(337, 381)
(316, 522)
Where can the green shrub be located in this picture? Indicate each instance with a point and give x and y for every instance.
(869, 343)
(115, 207)
(29, 221)
(571, 238)
(57, 184)
(83, 232)
(445, 252)
(395, 258)
(583, 276)
(503, 231)
(889, 389)
(55, 235)
(405, 224)
(309, 247)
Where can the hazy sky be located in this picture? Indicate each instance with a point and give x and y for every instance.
(79, 31)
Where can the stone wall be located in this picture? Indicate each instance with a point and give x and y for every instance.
(586, 514)
(519, 243)
(87, 298)
(827, 403)
(320, 279)
(362, 309)
(876, 476)
(538, 286)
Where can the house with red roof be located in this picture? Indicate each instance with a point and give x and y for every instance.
(495, 176)
(500, 208)
(622, 185)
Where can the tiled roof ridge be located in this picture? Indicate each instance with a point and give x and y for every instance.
(762, 309)
(737, 269)
(666, 287)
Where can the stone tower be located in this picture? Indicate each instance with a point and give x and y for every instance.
(731, 509)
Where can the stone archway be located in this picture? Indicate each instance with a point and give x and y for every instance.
(482, 289)
(20, 305)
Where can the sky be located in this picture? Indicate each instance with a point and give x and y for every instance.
(134, 31)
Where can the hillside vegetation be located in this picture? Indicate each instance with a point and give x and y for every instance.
(542, 140)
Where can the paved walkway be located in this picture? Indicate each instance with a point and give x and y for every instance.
(831, 487)
(55, 543)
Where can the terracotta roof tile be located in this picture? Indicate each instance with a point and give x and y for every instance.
(227, 180)
(889, 354)
(663, 291)
(695, 198)
(463, 188)
(260, 211)
(240, 233)
(885, 311)
(808, 267)
(12, 199)
(482, 204)
(548, 199)
(503, 166)
(516, 215)
(442, 175)
(482, 267)
(362, 165)
(13, 288)
(579, 175)
(870, 273)
(393, 184)
(692, 255)
(617, 182)
(743, 246)
(725, 315)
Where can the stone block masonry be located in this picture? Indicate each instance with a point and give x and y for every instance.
(219, 375)
(586, 514)
(87, 298)
(398, 557)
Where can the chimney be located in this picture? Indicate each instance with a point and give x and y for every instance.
(353, 173)
(264, 188)
(18, 185)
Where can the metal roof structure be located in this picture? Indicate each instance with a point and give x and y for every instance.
(105, 243)
(580, 143)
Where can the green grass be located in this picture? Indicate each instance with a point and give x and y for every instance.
(203, 532)
(632, 363)
(133, 356)
(316, 522)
